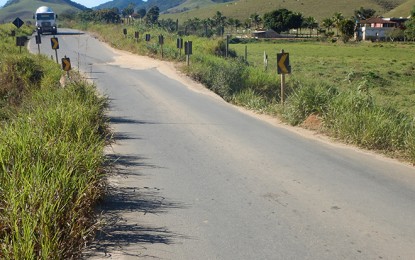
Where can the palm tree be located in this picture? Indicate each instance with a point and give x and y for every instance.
(328, 23)
(311, 23)
(230, 23)
(237, 23)
(256, 19)
(337, 19)
(208, 24)
(220, 22)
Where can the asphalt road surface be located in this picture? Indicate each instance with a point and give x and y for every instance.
(196, 178)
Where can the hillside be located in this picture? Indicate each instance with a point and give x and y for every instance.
(404, 10)
(162, 4)
(194, 4)
(319, 9)
(24, 9)
(120, 4)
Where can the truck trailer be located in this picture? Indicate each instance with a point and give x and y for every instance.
(46, 20)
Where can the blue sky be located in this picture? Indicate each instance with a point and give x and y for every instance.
(87, 3)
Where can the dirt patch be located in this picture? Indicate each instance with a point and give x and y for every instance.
(313, 122)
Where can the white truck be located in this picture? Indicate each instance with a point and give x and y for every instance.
(46, 20)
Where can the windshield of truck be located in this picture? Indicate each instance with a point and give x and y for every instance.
(45, 16)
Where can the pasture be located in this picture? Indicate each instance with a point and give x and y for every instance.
(386, 70)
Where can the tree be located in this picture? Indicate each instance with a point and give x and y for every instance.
(208, 25)
(141, 12)
(364, 13)
(68, 15)
(328, 23)
(152, 15)
(230, 22)
(129, 10)
(168, 24)
(220, 22)
(310, 23)
(337, 19)
(278, 20)
(255, 19)
(86, 15)
(396, 34)
(107, 15)
(296, 21)
(192, 25)
(410, 26)
(347, 29)
(237, 23)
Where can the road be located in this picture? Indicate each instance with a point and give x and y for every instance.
(197, 178)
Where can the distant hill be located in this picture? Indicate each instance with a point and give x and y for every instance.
(403, 10)
(24, 9)
(120, 4)
(163, 5)
(194, 4)
(242, 9)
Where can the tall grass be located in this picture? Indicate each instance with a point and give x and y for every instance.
(51, 157)
(51, 173)
(354, 117)
(225, 77)
(306, 99)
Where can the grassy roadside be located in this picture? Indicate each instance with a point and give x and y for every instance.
(363, 97)
(51, 157)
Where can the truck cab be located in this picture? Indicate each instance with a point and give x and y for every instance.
(46, 20)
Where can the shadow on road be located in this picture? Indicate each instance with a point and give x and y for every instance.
(70, 33)
(124, 204)
(121, 120)
(117, 232)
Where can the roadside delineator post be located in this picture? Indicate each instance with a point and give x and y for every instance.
(55, 45)
(265, 61)
(180, 46)
(136, 36)
(188, 51)
(38, 41)
(227, 46)
(284, 67)
(161, 42)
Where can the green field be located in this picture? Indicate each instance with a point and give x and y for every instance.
(387, 70)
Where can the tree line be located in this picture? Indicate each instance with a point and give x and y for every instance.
(280, 20)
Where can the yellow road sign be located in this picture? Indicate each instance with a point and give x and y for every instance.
(66, 64)
(283, 60)
(55, 43)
